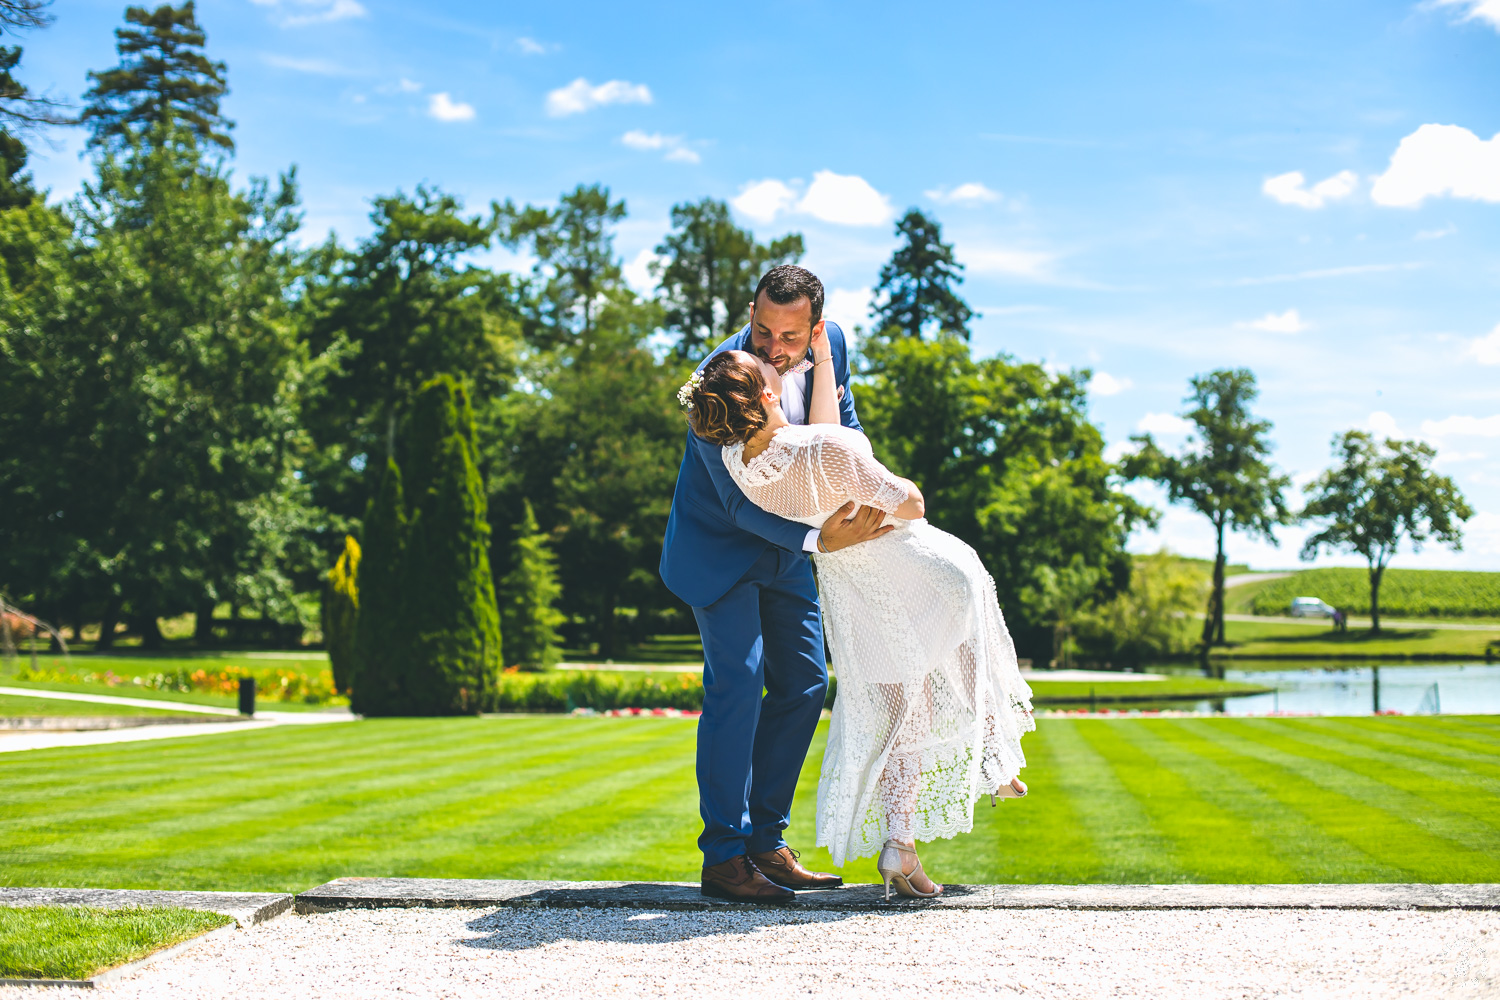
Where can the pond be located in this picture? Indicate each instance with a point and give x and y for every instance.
(1447, 689)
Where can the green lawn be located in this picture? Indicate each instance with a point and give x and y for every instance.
(179, 697)
(1262, 639)
(75, 942)
(15, 706)
(1140, 800)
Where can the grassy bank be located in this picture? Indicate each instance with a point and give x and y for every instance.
(1161, 800)
(76, 942)
(1273, 640)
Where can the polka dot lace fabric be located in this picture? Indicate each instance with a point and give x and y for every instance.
(931, 704)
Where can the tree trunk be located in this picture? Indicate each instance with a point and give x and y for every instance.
(1375, 573)
(203, 625)
(1213, 626)
(149, 629)
(607, 626)
(107, 624)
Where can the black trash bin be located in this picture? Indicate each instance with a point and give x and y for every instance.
(247, 695)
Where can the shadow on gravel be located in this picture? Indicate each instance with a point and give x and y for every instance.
(512, 929)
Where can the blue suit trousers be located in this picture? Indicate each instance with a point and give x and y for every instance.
(763, 635)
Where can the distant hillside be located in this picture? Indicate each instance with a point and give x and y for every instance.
(1416, 593)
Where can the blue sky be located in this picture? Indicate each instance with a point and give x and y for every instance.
(1311, 190)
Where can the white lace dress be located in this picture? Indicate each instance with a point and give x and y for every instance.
(931, 706)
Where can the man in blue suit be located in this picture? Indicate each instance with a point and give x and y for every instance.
(747, 576)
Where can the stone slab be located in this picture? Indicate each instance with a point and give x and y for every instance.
(380, 893)
(247, 908)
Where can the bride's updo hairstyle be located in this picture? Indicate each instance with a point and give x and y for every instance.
(725, 405)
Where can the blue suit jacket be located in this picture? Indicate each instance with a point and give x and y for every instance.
(714, 533)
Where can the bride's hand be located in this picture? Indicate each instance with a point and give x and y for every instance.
(822, 350)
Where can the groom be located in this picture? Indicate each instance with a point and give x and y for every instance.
(747, 576)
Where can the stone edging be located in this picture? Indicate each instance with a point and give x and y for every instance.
(379, 893)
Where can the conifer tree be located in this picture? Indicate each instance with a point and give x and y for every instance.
(917, 282)
(19, 107)
(455, 652)
(528, 593)
(380, 637)
(163, 80)
(341, 613)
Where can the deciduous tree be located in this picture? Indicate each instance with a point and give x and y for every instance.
(576, 264)
(1379, 496)
(708, 269)
(1225, 474)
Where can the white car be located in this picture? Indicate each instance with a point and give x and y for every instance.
(1311, 607)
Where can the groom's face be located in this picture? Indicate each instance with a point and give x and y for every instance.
(780, 333)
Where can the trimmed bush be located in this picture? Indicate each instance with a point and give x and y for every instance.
(380, 636)
(528, 593)
(341, 613)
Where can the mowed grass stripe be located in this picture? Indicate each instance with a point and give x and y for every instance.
(1450, 810)
(1382, 821)
(1204, 841)
(1458, 771)
(1126, 843)
(1274, 806)
(1434, 740)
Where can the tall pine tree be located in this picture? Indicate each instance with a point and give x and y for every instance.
(19, 107)
(455, 652)
(381, 642)
(163, 80)
(916, 284)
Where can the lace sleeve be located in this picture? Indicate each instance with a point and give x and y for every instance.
(846, 470)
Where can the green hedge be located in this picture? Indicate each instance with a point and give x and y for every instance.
(1417, 593)
(563, 692)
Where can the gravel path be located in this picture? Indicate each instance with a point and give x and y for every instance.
(1026, 953)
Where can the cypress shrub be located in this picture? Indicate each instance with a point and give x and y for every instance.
(341, 614)
(528, 593)
(380, 636)
(455, 653)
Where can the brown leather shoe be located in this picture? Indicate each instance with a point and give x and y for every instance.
(782, 867)
(738, 881)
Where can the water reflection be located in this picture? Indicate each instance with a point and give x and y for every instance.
(1448, 689)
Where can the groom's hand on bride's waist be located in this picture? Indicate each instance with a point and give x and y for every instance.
(841, 531)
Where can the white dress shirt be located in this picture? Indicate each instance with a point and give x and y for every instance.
(794, 405)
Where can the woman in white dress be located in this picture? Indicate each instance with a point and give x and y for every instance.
(931, 705)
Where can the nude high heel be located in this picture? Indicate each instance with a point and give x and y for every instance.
(1015, 790)
(892, 869)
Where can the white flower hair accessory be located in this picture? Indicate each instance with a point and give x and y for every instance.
(685, 394)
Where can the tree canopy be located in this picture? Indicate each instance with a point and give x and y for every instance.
(575, 250)
(1378, 496)
(164, 85)
(708, 268)
(916, 287)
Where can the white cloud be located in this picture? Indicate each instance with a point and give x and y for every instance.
(1288, 322)
(762, 201)
(296, 13)
(1437, 234)
(1438, 160)
(446, 109)
(408, 86)
(318, 67)
(845, 199)
(1476, 10)
(1290, 189)
(848, 307)
(1486, 349)
(1007, 262)
(532, 47)
(580, 96)
(1164, 423)
(1463, 427)
(637, 272)
(1105, 384)
(972, 193)
(1382, 424)
(676, 151)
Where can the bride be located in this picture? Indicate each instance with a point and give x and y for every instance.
(931, 706)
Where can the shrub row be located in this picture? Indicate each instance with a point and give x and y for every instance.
(1424, 593)
(563, 692)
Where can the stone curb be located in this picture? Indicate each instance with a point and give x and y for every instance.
(384, 893)
(247, 908)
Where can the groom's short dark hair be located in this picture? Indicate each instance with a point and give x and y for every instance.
(786, 283)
